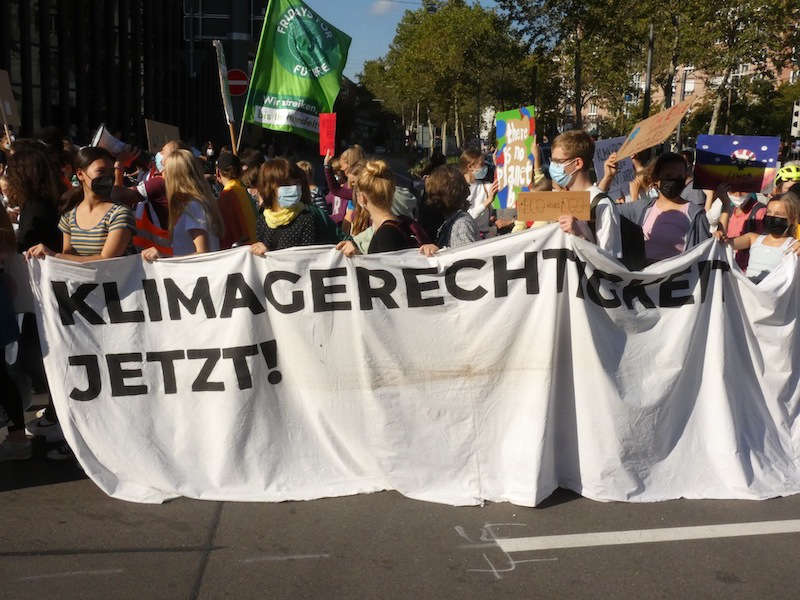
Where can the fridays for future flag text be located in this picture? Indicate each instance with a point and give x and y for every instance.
(298, 69)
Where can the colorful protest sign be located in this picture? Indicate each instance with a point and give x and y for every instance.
(548, 206)
(298, 69)
(620, 186)
(304, 374)
(9, 114)
(327, 134)
(746, 163)
(514, 158)
(159, 134)
(654, 130)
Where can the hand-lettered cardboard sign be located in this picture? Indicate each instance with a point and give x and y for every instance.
(549, 206)
(654, 130)
(620, 185)
(9, 114)
(747, 163)
(159, 134)
(514, 158)
(327, 134)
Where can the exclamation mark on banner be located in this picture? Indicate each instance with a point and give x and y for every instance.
(270, 352)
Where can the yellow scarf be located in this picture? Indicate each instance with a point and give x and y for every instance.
(284, 216)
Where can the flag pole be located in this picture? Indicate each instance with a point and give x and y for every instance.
(225, 90)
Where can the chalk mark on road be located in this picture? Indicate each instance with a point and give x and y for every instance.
(488, 538)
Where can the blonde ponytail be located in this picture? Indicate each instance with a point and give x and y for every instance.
(376, 182)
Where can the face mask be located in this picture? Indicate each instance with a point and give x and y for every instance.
(210, 152)
(289, 195)
(159, 162)
(737, 202)
(103, 185)
(775, 225)
(559, 175)
(671, 188)
(481, 173)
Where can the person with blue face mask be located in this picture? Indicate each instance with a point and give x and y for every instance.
(481, 190)
(285, 220)
(570, 159)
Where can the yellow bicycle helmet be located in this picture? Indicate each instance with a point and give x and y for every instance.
(789, 173)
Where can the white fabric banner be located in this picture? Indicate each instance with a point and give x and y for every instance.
(499, 371)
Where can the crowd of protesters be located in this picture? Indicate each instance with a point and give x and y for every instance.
(85, 205)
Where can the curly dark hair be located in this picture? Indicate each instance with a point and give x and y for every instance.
(447, 190)
(32, 175)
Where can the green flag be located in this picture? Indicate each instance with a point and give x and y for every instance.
(298, 69)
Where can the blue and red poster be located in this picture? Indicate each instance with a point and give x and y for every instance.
(747, 163)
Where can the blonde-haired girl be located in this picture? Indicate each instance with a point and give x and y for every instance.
(195, 222)
(767, 249)
(374, 192)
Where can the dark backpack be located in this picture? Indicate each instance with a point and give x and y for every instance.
(411, 229)
(325, 230)
(633, 253)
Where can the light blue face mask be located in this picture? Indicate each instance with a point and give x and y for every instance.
(159, 162)
(559, 174)
(289, 195)
(481, 173)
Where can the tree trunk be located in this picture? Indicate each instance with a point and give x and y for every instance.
(457, 125)
(712, 127)
(430, 133)
(463, 137)
(444, 137)
(578, 103)
(674, 64)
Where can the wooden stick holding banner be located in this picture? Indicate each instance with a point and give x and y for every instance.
(159, 134)
(226, 93)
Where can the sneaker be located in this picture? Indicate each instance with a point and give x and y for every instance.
(61, 452)
(44, 427)
(10, 450)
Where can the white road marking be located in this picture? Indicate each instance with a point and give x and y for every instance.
(646, 536)
(72, 574)
(283, 557)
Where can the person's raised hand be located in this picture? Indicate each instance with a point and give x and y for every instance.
(328, 157)
(125, 158)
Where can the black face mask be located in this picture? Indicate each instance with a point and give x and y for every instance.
(671, 188)
(775, 225)
(103, 185)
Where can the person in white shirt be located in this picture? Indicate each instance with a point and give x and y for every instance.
(570, 160)
(481, 191)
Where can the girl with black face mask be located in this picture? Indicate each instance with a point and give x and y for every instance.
(93, 227)
(670, 224)
(767, 250)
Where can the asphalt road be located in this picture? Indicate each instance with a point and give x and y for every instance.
(60, 537)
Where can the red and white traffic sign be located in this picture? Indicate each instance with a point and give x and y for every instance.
(237, 82)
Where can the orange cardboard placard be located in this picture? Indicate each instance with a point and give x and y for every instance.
(654, 130)
(548, 206)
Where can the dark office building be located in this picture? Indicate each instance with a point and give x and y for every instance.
(77, 63)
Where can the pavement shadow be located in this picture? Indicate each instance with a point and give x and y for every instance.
(38, 471)
(560, 496)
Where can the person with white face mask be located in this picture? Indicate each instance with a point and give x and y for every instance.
(285, 220)
(481, 190)
(746, 216)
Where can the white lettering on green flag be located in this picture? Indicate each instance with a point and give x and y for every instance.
(298, 69)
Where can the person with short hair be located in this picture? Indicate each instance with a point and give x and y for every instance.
(481, 191)
(238, 213)
(447, 191)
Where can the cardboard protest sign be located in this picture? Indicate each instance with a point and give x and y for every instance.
(8, 105)
(654, 130)
(548, 206)
(620, 186)
(514, 159)
(159, 134)
(747, 163)
(327, 134)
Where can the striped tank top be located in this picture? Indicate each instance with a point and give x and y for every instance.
(90, 242)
